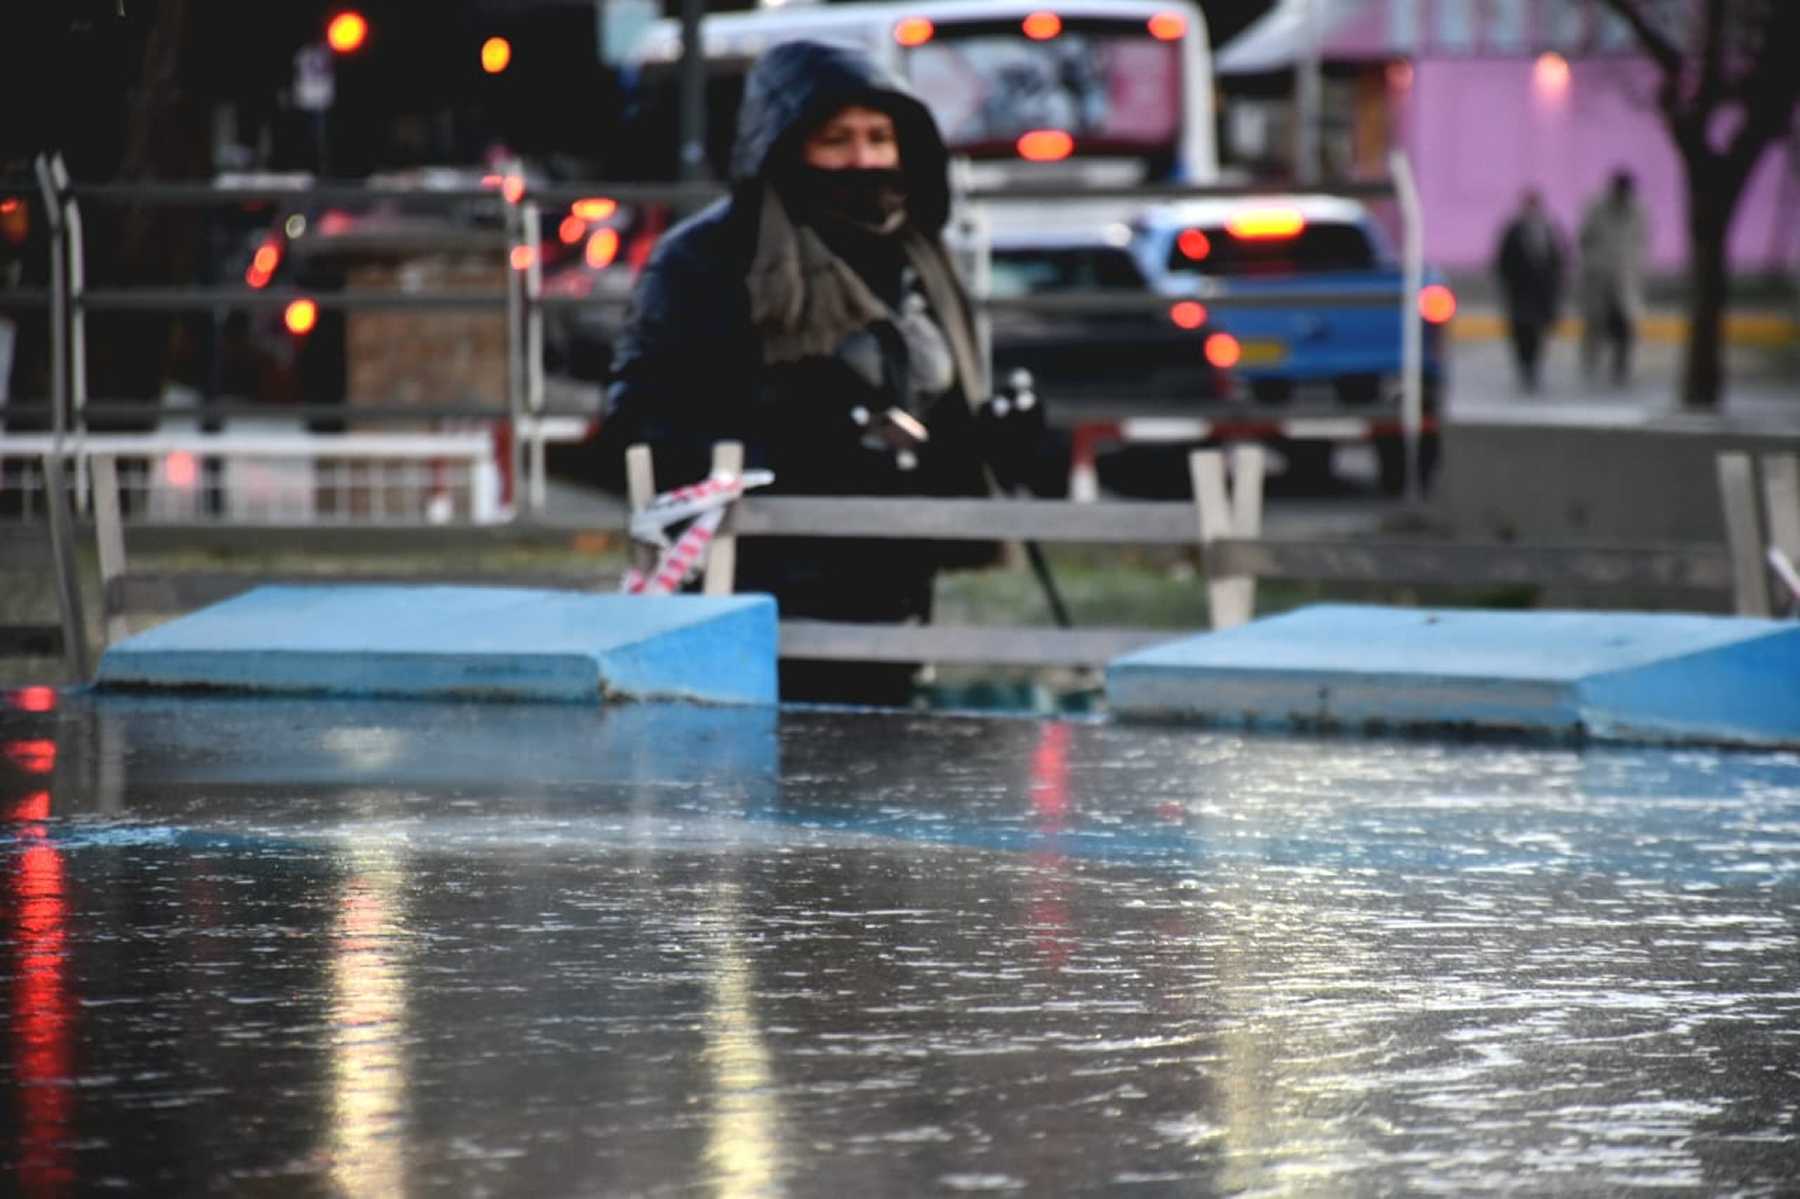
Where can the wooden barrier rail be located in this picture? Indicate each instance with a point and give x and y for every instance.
(1223, 525)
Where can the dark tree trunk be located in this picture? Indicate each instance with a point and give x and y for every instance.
(1709, 224)
(135, 354)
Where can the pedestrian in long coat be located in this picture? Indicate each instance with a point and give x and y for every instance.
(1615, 237)
(814, 315)
(1529, 263)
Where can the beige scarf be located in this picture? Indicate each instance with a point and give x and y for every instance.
(805, 300)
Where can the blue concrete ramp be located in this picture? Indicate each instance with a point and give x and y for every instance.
(472, 642)
(1610, 676)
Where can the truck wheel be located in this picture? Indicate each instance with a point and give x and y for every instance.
(1390, 453)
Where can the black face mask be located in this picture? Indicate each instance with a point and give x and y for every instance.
(872, 197)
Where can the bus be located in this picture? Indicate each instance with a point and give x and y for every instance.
(1082, 94)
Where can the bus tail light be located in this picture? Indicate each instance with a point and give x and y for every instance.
(1041, 26)
(913, 31)
(1437, 304)
(1223, 351)
(1045, 145)
(1168, 26)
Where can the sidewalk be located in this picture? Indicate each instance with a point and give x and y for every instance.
(1764, 328)
(1762, 377)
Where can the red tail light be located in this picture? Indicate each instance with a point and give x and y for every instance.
(913, 31)
(1266, 224)
(263, 263)
(1223, 351)
(1437, 304)
(1188, 314)
(1194, 244)
(1045, 145)
(300, 316)
(602, 248)
(181, 470)
(1168, 26)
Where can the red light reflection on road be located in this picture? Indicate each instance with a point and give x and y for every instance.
(33, 757)
(1050, 915)
(43, 1054)
(33, 699)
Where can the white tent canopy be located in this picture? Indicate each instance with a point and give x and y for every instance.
(1274, 43)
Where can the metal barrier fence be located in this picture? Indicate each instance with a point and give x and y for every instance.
(269, 478)
(516, 213)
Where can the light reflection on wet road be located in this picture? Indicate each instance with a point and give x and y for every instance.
(373, 949)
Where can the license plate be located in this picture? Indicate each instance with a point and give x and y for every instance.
(1261, 353)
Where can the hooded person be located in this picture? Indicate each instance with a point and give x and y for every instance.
(815, 316)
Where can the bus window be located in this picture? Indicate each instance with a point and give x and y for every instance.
(1108, 83)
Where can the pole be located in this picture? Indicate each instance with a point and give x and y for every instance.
(1309, 89)
(515, 348)
(534, 352)
(1412, 335)
(693, 91)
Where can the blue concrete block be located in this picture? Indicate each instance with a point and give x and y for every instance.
(477, 642)
(1615, 676)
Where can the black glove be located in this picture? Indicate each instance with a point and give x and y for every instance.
(1010, 430)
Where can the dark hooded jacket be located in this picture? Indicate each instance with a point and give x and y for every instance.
(690, 369)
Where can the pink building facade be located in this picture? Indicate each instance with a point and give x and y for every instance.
(1480, 130)
(1489, 97)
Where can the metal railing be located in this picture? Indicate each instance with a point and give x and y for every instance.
(518, 214)
(266, 478)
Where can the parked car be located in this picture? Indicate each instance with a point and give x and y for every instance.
(1102, 362)
(1329, 359)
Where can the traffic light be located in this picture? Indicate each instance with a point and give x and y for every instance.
(347, 31)
(496, 55)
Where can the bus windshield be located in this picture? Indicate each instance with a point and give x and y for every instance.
(1107, 84)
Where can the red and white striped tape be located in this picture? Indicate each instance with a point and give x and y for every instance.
(703, 505)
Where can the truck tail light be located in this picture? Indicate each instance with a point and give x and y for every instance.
(602, 248)
(1266, 224)
(1194, 245)
(1188, 314)
(1223, 351)
(300, 316)
(263, 263)
(1437, 304)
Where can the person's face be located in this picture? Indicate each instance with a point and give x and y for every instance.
(854, 137)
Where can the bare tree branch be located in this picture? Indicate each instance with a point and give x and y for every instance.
(1666, 53)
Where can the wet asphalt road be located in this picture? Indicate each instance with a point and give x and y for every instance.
(286, 947)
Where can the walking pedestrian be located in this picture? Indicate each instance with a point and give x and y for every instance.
(814, 315)
(1614, 239)
(1529, 263)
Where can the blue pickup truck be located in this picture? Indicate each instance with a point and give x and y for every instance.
(1308, 376)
